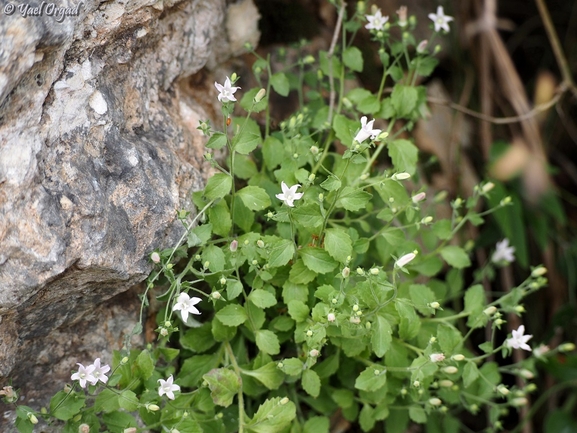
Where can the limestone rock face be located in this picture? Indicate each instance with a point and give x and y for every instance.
(95, 157)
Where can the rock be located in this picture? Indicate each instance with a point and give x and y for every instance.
(98, 150)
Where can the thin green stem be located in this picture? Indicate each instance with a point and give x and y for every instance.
(240, 392)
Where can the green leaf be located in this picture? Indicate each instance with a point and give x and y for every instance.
(64, 407)
(248, 136)
(273, 152)
(417, 414)
(292, 366)
(269, 375)
(311, 383)
(216, 141)
(232, 315)
(219, 217)
(421, 296)
(118, 421)
(394, 236)
(198, 340)
(345, 128)
(215, 258)
(199, 235)
(338, 244)
(343, 397)
(145, 364)
(128, 401)
(280, 83)
(218, 186)
(308, 216)
(331, 183)
(300, 274)
(106, 401)
(367, 418)
(369, 105)
(456, 256)
(449, 337)
(194, 367)
(298, 310)
(404, 100)
(354, 199)
(281, 252)
(404, 155)
(233, 289)
(254, 197)
(353, 59)
(410, 323)
(273, 416)
(442, 229)
(381, 336)
(267, 341)
(244, 167)
(470, 374)
(262, 298)
(224, 385)
(371, 379)
(317, 424)
(317, 260)
(247, 101)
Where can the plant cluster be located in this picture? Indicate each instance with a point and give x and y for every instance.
(322, 280)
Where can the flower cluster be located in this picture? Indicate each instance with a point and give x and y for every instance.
(91, 374)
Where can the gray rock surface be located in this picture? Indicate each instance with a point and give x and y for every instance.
(98, 150)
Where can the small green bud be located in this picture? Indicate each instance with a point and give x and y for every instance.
(377, 372)
(427, 220)
(374, 271)
(527, 374)
(254, 262)
(312, 177)
(345, 273)
(314, 150)
(368, 325)
(450, 369)
(284, 400)
(531, 387)
(519, 401)
(435, 305)
(216, 295)
(416, 383)
(446, 383)
(435, 401)
(401, 176)
(152, 407)
(489, 311)
(32, 418)
(355, 307)
(83, 428)
(222, 280)
(309, 333)
(458, 357)
(321, 197)
(487, 187)
(566, 347)
(538, 271)
(260, 243)
(360, 271)
(505, 201)
(206, 264)
(261, 93)
(233, 77)
(124, 360)
(503, 390)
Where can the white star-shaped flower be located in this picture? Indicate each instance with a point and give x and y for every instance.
(167, 387)
(503, 252)
(376, 21)
(289, 195)
(366, 130)
(226, 92)
(84, 374)
(99, 372)
(518, 340)
(441, 20)
(185, 304)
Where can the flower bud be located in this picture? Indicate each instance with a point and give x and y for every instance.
(360, 271)
(155, 257)
(538, 271)
(260, 243)
(527, 374)
(206, 264)
(446, 383)
(437, 357)
(124, 360)
(374, 271)
(321, 197)
(519, 401)
(422, 47)
(435, 305)
(331, 317)
(505, 201)
(503, 390)
(222, 280)
(405, 260)
(163, 331)
(233, 246)
(531, 387)
(400, 176)
(416, 383)
(197, 257)
(368, 325)
(346, 272)
(419, 197)
(519, 308)
(233, 77)
(355, 320)
(427, 220)
(309, 333)
(314, 150)
(458, 357)
(435, 401)
(284, 400)
(259, 95)
(152, 407)
(361, 7)
(487, 187)
(32, 418)
(83, 428)
(314, 353)
(566, 347)
(254, 262)
(295, 155)
(489, 311)
(355, 307)
(216, 295)
(450, 369)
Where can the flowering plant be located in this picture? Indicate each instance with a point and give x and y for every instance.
(324, 283)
